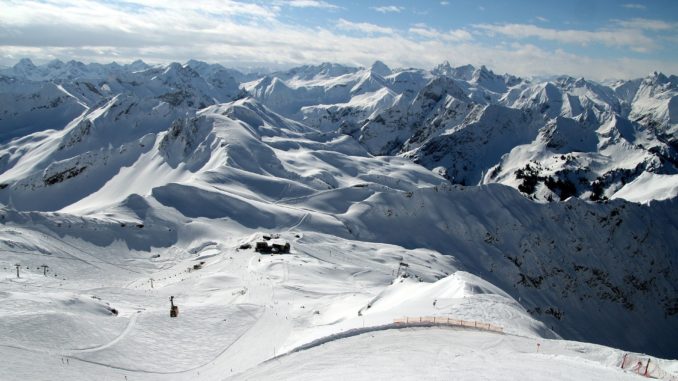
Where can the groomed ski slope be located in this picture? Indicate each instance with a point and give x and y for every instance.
(443, 354)
(243, 308)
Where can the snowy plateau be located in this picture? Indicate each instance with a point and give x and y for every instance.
(442, 224)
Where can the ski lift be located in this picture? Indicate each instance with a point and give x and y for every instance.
(174, 310)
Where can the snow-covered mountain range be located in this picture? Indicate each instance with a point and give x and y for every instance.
(551, 140)
(545, 207)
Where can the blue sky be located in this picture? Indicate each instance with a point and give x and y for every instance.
(596, 38)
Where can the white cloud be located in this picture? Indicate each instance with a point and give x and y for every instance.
(248, 35)
(634, 6)
(455, 35)
(362, 27)
(424, 31)
(629, 38)
(389, 9)
(542, 19)
(311, 4)
(444, 3)
(646, 24)
(227, 7)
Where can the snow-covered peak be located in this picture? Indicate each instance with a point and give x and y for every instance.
(324, 70)
(25, 63)
(178, 72)
(489, 80)
(442, 69)
(137, 65)
(656, 78)
(55, 64)
(204, 69)
(368, 83)
(464, 72)
(24, 68)
(380, 69)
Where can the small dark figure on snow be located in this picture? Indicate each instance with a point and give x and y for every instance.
(174, 310)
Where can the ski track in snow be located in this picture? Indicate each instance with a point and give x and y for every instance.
(135, 370)
(130, 325)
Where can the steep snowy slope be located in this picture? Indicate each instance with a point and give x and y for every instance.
(27, 107)
(471, 149)
(648, 187)
(655, 107)
(570, 137)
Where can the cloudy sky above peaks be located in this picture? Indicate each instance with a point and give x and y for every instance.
(594, 38)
